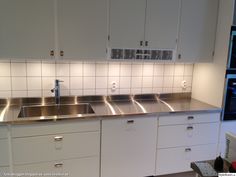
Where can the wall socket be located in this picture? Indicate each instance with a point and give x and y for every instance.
(113, 86)
(184, 84)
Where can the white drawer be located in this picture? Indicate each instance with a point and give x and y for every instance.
(181, 158)
(4, 152)
(190, 118)
(182, 135)
(47, 128)
(3, 131)
(54, 147)
(83, 167)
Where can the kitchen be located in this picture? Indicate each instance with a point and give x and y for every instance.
(112, 88)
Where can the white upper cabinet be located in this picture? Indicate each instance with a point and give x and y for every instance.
(82, 27)
(162, 19)
(197, 30)
(127, 20)
(26, 28)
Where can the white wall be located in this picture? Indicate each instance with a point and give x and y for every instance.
(208, 79)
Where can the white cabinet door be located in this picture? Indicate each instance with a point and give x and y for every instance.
(128, 147)
(82, 28)
(127, 21)
(84, 167)
(197, 30)
(4, 153)
(162, 18)
(26, 29)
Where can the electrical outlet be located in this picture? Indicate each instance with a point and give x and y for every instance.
(184, 84)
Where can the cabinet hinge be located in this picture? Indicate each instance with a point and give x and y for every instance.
(108, 37)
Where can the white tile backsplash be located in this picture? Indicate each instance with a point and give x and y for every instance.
(35, 79)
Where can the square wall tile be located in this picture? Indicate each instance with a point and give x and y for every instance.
(6, 84)
(125, 82)
(5, 69)
(146, 90)
(157, 81)
(136, 82)
(147, 82)
(157, 90)
(89, 92)
(188, 69)
(17, 93)
(179, 70)
(34, 83)
(47, 93)
(177, 81)
(158, 70)
(76, 83)
(137, 70)
(101, 91)
(136, 90)
(125, 70)
(88, 83)
(34, 69)
(169, 69)
(101, 69)
(34, 93)
(48, 83)
(168, 82)
(113, 92)
(19, 83)
(76, 92)
(65, 92)
(148, 70)
(114, 69)
(48, 70)
(76, 69)
(167, 90)
(89, 69)
(62, 69)
(125, 91)
(18, 69)
(5, 94)
(101, 82)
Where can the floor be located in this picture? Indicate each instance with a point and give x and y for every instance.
(188, 174)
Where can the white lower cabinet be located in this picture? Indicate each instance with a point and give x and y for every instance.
(82, 167)
(128, 147)
(4, 170)
(58, 149)
(175, 160)
(190, 138)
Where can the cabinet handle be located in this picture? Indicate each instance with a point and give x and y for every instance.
(141, 43)
(146, 43)
(179, 56)
(58, 138)
(190, 128)
(58, 165)
(188, 149)
(52, 53)
(61, 53)
(130, 121)
(190, 117)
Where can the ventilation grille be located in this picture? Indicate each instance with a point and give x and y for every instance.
(140, 54)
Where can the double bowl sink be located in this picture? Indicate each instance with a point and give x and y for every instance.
(55, 110)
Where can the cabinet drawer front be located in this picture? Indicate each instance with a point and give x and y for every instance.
(54, 128)
(4, 153)
(54, 147)
(181, 158)
(182, 135)
(189, 118)
(3, 132)
(82, 167)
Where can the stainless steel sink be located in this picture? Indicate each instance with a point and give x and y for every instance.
(55, 110)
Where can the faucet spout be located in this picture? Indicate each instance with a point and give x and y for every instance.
(56, 91)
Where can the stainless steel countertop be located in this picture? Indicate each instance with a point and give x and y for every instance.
(107, 106)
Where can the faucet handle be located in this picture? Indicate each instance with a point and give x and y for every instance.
(53, 90)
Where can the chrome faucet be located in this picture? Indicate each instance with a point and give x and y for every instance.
(56, 91)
